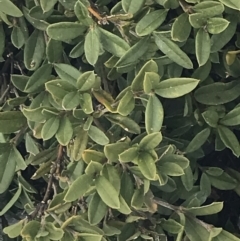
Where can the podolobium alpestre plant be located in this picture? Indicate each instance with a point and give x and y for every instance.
(106, 108)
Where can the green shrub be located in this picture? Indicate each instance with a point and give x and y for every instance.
(108, 108)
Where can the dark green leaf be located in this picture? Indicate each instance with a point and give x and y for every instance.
(107, 192)
(11, 121)
(153, 115)
(64, 31)
(176, 87)
(34, 50)
(150, 22)
(78, 188)
(203, 46)
(9, 8)
(172, 51)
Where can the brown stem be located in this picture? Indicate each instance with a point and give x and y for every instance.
(40, 208)
(186, 7)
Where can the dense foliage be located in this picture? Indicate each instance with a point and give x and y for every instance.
(119, 120)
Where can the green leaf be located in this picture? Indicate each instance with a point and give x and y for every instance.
(171, 169)
(19, 81)
(98, 136)
(82, 13)
(54, 50)
(173, 158)
(210, 209)
(31, 229)
(217, 25)
(9, 8)
(124, 208)
(47, 5)
(138, 198)
(147, 165)
(127, 187)
(78, 188)
(17, 38)
(39, 78)
(78, 50)
(181, 22)
(126, 104)
(104, 98)
(107, 192)
(209, 8)
(198, 20)
(132, 6)
(8, 166)
(14, 230)
(150, 82)
(92, 46)
(93, 167)
(112, 43)
(203, 46)
(220, 40)
(50, 128)
(97, 209)
(205, 185)
(68, 73)
(65, 131)
(214, 171)
(133, 55)
(129, 155)
(11, 121)
(211, 118)
(80, 144)
(137, 83)
(223, 182)
(224, 235)
(150, 141)
(31, 145)
(113, 150)
(198, 140)
(15, 155)
(232, 118)
(112, 175)
(90, 237)
(187, 178)
(234, 4)
(176, 87)
(126, 123)
(172, 51)
(86, 81)
(12, 201)
(217, 93)
(150, 22)
(90, 155)
(153, 115)
(171, 226)
(194, 231)
(64, 31)
(71, 100)
(229, 139)
(54, 233)
(34, 50)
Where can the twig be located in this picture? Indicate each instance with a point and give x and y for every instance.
(15, 139)
(180, 209)
(186, 7)
(40, 208)
(4, 94)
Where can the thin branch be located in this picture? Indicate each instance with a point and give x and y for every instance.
(180, 209)
(40, 208)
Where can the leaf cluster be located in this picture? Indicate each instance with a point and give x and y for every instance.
(107, 108)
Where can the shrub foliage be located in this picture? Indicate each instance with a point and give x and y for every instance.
(107, 108)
